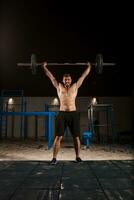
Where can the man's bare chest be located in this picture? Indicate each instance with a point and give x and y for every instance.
(65, 92)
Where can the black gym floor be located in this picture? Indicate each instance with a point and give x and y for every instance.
(38, 180)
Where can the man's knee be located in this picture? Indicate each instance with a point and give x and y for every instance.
(58, 138)
(76, 138)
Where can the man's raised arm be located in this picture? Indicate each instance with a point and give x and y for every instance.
(83, 76)
(50, 75)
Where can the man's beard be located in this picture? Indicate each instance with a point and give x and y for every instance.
(67, 85)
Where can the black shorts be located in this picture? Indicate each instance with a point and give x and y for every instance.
(68, 119)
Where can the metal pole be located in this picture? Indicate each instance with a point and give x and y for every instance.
(63, 64)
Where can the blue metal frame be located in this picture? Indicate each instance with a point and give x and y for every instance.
(46, 123)
(50, 117)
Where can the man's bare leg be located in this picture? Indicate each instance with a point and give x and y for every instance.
(56, 145)
(77, 146)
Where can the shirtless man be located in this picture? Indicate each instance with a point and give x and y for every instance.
(67, 116)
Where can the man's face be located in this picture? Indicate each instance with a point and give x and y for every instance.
(67, 81)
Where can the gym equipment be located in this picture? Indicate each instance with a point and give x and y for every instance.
(99, 64)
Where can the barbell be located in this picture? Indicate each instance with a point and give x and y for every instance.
(99, 64)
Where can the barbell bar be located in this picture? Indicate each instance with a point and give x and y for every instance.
(98, 64)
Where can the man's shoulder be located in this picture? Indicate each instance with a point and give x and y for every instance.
(74, 85)
(60, 85)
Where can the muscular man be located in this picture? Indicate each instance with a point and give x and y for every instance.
(67, 116)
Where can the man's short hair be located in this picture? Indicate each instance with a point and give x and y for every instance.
(66, 75)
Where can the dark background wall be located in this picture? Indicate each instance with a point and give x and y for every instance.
(65, 31)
